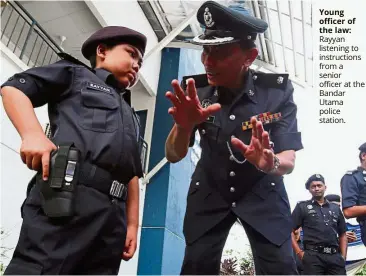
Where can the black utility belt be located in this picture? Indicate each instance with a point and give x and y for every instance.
(322, 249)
(67, 171)
(102, 180)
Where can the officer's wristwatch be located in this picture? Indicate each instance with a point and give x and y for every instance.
(276, 165)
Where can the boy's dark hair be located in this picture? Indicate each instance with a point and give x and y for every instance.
(246, 45)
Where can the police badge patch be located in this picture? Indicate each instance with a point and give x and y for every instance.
(206, 103)
(310, 207)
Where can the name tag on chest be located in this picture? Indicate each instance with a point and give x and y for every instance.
(99, 87)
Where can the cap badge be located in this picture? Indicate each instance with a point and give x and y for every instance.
(318, 176)
(207, 17)
(280, 80)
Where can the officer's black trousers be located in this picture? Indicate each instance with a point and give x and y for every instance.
(315, 263)
(92, 242)
(203, 256)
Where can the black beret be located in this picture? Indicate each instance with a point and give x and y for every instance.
(314, 177)
(114, 34)
(333, 198)
(227, 24)
(362, 148)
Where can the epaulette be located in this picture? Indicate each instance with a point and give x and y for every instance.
(68, 57)
(351, 172)
(270, 80)
(200, 81)
(302, 201)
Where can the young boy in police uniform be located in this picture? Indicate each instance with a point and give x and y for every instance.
(90, 108)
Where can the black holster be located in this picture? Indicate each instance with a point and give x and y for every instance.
(58, 192)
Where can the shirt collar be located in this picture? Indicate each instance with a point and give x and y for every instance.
(109, 79)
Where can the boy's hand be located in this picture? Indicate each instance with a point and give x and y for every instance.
(130, 244)
(35, 152)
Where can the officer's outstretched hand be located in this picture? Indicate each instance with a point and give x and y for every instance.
(259, 152)
(35, 152)
(187, 110)
(130, 243)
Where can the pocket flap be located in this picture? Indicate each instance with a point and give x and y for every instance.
(98, 99)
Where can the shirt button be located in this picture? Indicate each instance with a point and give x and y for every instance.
(203, 131)
(231, 158)
(255, 77)
(232, 117)
(232, 174)
(233, 204)
(22, 80)
(232, 189)
(197, 183)
(273, 184)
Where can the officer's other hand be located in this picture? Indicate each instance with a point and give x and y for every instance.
(259, 152)
(351, 236)
(130, 244)
(187, 110)
(35, 152)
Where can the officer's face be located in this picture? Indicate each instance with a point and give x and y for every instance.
(317, 189)
(123, 61)
(225, 64)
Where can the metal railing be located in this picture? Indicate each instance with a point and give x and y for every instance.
(25, 37)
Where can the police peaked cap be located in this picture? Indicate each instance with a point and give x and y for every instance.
(362, 148)
(314, 177)
(227, 24)
(114, 34)
(333, 198)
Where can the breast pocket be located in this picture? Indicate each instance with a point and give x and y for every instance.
(99, 111)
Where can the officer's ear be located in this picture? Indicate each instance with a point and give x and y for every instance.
(363, 156)
(250, 55)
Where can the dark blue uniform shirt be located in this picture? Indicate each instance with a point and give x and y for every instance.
(219, 184)
(353, 186)
(85, 107)
(321, 225)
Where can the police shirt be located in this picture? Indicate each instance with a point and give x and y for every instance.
(321, 224)
(85, 107)
(353, 187)
(220, 184)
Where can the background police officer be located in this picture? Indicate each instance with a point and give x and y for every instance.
(336, 199)
(353, 186)
(232, 179)
(324, 232)
(86, 109)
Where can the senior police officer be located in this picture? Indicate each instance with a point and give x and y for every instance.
(324, 228)
(89, 109)
(232, 179)
(353, 187)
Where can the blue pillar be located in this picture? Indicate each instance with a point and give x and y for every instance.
(162, 242)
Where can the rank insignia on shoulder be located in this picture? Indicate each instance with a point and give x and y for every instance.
(350, 172)
(265, 118)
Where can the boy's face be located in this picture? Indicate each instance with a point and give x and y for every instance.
(123, 61)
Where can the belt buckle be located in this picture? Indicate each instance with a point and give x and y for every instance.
(327, 250)
(117, 189)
